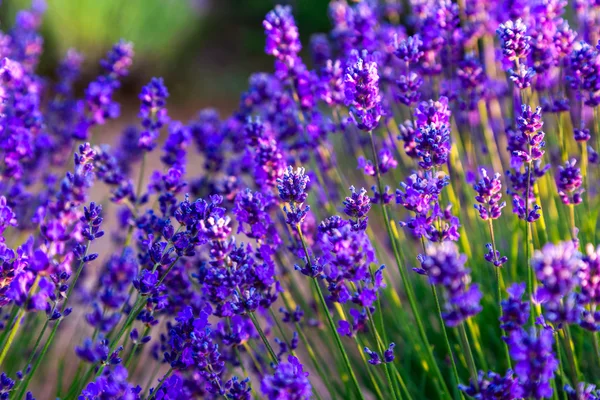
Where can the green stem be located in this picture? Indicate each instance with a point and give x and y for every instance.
(337, 338)
(332, 327)
(55, 327)
(151, 379)
(568, 344)
(12, 334)
(264, 338)
(167, 375)
(281, 331)
(498, 273)
(406, 282)
(530, 276)
(18, 321)
(464, 340)
(11, 320)
(446, 339)
(381, 349)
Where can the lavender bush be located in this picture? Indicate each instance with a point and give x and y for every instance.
(281, 265)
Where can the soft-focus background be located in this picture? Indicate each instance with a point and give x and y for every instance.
(205, 49)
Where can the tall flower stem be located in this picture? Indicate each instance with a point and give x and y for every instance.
(167, 375)
(440, 383)
(499, 284)
(530, 276)
(17, 324)
(464, 340)
(332, 327)
(54, 328)
(263, 337)
(381, 349)
(446, 339)
(572, 360)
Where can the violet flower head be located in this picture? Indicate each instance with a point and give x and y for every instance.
(330, 87)
(489, 194)
(584, 391)
(445, 267)
(529, 122)
(361, 83)
(514, 42)
(152, 112)
(435, 113)
(409, 50)
(535, 361)
(357, 206)
(557, 267)
(118, 60)
(569, 182)
(292, 186)
(582, 135)
(7, 217)
(515, 310)
(433, 146)
(522, 76)
(492, 386)
(289, 381)
(292, 190)
(589, 275)
(320, 49)
(282, 38)
(407, 88)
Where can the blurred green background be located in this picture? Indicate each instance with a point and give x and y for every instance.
(205, 49)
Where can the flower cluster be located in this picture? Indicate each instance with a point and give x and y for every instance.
(445, 267)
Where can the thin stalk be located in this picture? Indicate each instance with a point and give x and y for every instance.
(447, 340)
(406, 282)
(17, 324)
(568, 344)
(381, 349)
(332, 327)
(560, 364)
(151, 379)
(167, 375)
(253, 357)
(263, 337)
(498, 286)
(595, 339)
(309, 349)
(530, 277)
(11, 320)
(55, 327)
(281, 331)
(135, 347)
(464, 340)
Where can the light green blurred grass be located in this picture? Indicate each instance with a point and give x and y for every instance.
(158, 28)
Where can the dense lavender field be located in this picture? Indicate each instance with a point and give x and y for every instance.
(409, 212)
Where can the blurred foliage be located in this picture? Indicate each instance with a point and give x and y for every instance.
(205, 49)
(156, 27)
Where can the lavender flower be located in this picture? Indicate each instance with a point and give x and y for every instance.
(557, 268)
(514, 42)
(288, 381)
(357, 206)
(535, 361)
(569, 182)
(152, 112)
(361, 83)
(446, 267)
(283, 40)
(515, 311)
(292, 190)
(489, 194)
(491, 385)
